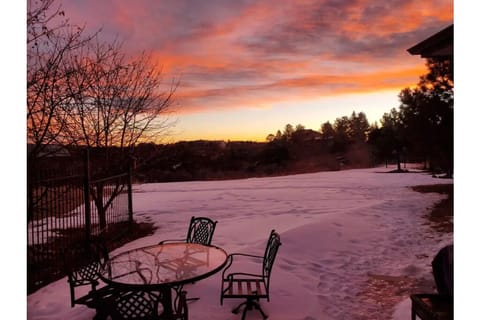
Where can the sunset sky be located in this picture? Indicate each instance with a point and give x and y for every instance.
(247, 67)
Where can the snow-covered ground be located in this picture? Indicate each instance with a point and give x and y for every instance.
(336, 228)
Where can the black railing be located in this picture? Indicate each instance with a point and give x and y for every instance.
(65, 207)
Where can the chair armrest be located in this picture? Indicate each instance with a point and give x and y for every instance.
(230, 260)
(172, 240)
(245, 255)
(232, 275)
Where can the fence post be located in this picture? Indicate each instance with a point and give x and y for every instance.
(29, 189)
(129, 189)
(86, 192)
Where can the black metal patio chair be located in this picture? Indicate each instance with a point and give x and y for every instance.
(249, 286)
(82, 265)
(200, 230)
(437, 306)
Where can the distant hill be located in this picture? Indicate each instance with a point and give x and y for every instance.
(211, 160)
(305, 151)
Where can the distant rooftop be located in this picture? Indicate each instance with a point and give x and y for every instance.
(439, 45)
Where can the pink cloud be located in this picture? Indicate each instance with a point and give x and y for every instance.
(237, 53)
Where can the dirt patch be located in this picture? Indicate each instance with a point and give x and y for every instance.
(381, 293)
(440, 216)
(128, 232)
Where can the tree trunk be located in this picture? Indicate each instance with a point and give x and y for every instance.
(101, 210)
(399, 162)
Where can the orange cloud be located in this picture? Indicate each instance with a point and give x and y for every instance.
(295, 89)
(236, 54)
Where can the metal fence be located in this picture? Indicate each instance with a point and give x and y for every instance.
(65, 207)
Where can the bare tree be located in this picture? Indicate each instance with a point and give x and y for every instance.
(84, 92)
(88, 93)
(50, 38)
(116, 102)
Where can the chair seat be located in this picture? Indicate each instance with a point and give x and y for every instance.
(244, 288)
(432, 306)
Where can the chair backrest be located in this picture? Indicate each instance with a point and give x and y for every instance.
(141, 305)
(201, 230)
(82, 263)
(270, 253)
(84, 260)
(442, 267)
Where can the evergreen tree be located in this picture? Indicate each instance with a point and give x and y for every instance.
(427, 115)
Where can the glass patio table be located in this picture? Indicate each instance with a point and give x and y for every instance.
(163, 267)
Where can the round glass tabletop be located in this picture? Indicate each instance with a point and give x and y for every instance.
(164, 264)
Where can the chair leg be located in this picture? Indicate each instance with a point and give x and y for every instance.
(72, 296)
(249, 305)
(244, 314)
(237, 308)
(257, 306)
